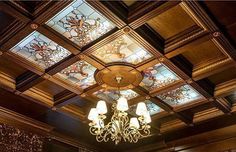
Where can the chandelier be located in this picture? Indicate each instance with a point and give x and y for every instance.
(120, 127)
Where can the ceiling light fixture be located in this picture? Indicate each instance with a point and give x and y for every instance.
(120, 127)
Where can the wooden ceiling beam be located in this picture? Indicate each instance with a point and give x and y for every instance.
(27, 80)
(151, 37)
(199, 128)
(223, 105)
(186, 118)
(59, 39)
(24, 63)
(208, 69)
(161, 104)
(204, 87)
(62, 65)
(225, 88)
(187, 36)
(207, 114)
(62, 98)
(16, 119)
(148, 11)
(57, 80)
(74, 111)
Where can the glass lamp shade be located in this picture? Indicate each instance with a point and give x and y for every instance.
(141, 109)
(93, 114)
(101, 107)
(134, 123)
(122, 104)
(147, 117)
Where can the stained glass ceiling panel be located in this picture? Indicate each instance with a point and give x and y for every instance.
(181, 95)
(40, 50)
(152, 108)
(79, 74)
(80, 23)
(122, 49)
(158, 76)
(114, 95)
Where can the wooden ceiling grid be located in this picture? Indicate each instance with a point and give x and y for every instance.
(136, 23)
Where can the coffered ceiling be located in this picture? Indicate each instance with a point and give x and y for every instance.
(51, 50)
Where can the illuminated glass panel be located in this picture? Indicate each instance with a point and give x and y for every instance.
(180, 96)
(157, 77)
(80, 74)
(122, 49)
(80, 23)
(152, 108)
(108, 95)
(40, 50)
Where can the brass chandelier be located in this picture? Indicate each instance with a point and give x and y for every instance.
(120, 127)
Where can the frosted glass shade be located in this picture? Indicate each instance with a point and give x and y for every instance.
(122, 104)
(101, 107)
(93, 114)
(147, 117)
(134, 123)
(141, 109)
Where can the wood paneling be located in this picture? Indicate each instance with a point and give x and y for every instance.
(171, 22)
(10, 68)
(201, 53)
(223, 76)
(49, 87)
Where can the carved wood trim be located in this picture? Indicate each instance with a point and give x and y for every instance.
(13, 118)
(226, 88)
(223, 105)
(27, 80)
(62, 98)
(143, 19)
(213, 67)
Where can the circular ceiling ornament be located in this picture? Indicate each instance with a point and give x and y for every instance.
(118, 76)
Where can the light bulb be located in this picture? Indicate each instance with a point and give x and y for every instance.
(141, 109)
(134, 123)
(93, 114)
(101, 107)
(122, 104)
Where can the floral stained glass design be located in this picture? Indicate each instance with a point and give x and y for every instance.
(122, 49)
(152, 108)
(108, 95)
(179, 96)
(80, 74)
(158, 76)
(40, 50)
(80, 23)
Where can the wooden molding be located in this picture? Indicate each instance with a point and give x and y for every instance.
(223, 105)
(13, 118)
(226, 88)
(74, 111)
(7, 81)
(206, 70)
(59, 39)
(27, 80)
(207, 114)
(62, 98)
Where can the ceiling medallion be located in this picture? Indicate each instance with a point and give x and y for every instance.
(129, 75)
(120, 127)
